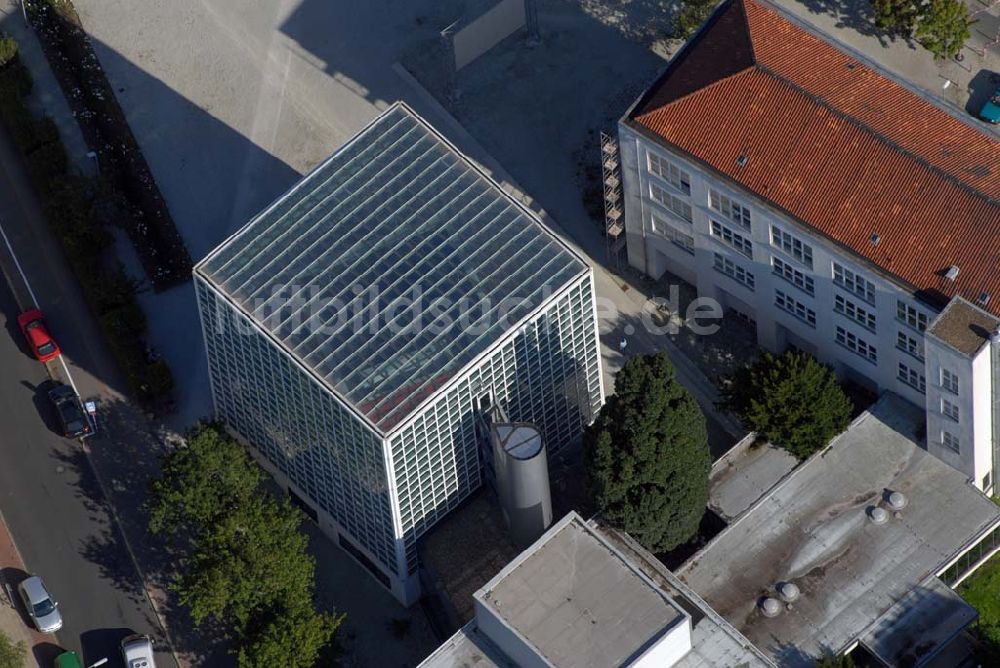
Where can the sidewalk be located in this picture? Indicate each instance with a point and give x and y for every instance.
(46, 95)
(11, 619)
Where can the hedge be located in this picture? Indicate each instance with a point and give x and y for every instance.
(74, 207)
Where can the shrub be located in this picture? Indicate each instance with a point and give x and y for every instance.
(8, 50)
(12, 655)
(792, 400)
(646, 456)
(46, 164)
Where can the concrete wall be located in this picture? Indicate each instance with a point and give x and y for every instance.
(669, 649)
(651, 251)
(482, 34)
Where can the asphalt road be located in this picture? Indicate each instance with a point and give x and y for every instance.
(49, 494)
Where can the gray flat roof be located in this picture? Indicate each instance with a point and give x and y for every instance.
(578, 602)
(928, 617)
(813, 529)
(964, 326)
(622, 587)
(396, 215)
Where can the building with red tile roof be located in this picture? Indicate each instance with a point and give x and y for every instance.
(837, 208)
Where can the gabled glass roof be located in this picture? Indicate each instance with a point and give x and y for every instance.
(361, 267)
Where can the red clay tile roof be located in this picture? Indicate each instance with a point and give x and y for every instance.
(838, 146)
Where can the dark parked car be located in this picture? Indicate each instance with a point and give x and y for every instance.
(71, 416)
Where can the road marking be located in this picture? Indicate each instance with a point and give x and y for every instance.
(17, 263)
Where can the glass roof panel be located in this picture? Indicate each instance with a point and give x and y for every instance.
(387, 269)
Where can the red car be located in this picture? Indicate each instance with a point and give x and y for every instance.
(37, 334)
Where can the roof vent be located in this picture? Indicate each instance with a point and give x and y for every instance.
(896, 500)
(742, 161)
(851, 66)
(788, 591)
(878, 515)
(952, 272)
(770, 607)
(983, 299)
(875, 238)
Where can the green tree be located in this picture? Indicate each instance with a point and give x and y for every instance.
(210, 477)
(12, 655)
(943, 27)
(896, 18)
(690, 16)
(244, 561)
(792, 400)
(647, 457)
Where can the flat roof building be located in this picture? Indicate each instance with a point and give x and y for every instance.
(357, 326)
(863, 530)
(831, 204)
(579, 598)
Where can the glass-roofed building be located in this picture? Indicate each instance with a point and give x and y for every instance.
(358, 328)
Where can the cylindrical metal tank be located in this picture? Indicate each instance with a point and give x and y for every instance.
(522, 480)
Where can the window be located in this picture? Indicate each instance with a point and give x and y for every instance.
(731, 269)
(858, 314)
(670, 173)
(792, 245)
(857, 345)
(674, 203)
(950, 441)
(793, 276)
(909, 315)
(910, 345)
(854, 283)
(683, 241)
(795, 307)
(729, 208)
(734, 239)
(949, 410)
(987, 480)
(949, 381)
(912, 377)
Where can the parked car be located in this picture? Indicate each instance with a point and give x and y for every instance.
(44, 611)
(991, 109)
(36, 332)
(68, 660)
(137, 650)
(70, 410)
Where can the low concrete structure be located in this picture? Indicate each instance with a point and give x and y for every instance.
(744, 474)
(578, 598)
(862, 529)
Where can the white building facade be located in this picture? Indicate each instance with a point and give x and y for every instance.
(800, 287)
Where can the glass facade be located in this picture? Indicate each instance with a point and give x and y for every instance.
(548, 373)
(298, 426)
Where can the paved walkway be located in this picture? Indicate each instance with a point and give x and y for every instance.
(12, 622)
(47, 97)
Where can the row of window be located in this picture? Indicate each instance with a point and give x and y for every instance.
(857, 345)
(795, 307)
(736, 272)
(681, 181)
(853, 311)
(797, 278)
(731, 238)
